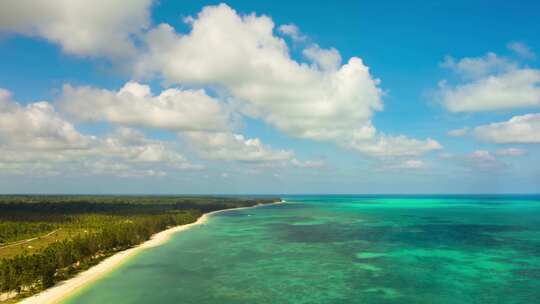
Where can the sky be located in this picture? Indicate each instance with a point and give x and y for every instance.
(245, 97)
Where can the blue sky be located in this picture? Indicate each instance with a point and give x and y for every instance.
(262, 97)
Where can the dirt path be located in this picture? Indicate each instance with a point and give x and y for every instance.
(29, 240)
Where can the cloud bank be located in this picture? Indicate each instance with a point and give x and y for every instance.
(227, 65)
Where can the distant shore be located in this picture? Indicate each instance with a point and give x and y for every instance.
(64, 289)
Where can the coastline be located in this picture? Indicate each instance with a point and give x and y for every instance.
(66, 288)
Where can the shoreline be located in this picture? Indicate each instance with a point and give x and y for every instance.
(64, 289)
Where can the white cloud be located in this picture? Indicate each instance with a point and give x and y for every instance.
(36, 126)
(459, 132)
(240, 57)
(134, 105)
(35, 139)
(319, 99)
(133, 146)
(522, 50)
(395, 146)
(292, 31)
(234, 147)
(254, 66)
(81, 27)
(474, 67)
(128, 153)
(324, 59)
(519, 129)
(511, 90)
(491, 83)
(511, 152)
(229, 146)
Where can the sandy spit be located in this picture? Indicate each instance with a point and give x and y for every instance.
(63, 289)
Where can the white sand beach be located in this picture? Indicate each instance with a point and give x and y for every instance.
(63, 289)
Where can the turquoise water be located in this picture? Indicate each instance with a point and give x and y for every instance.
(343, 249)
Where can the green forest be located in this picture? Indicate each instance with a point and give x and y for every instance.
(46, 239)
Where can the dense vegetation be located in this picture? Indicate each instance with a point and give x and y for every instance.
(86, 229)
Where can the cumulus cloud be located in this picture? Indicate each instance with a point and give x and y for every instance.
(36, 139)
(234, 147)
(490, 83)
(130, 154)
(37, 126)
(254, 66)
(80, 27)
(202, 119)
(133, 146)
(320, 99)
(515, 89)
(523, 129)
(228, 146)
(324, 59)
(134, 105)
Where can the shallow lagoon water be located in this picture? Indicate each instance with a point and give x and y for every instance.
(343, 249)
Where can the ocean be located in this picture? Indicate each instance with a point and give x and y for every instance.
(343, 249)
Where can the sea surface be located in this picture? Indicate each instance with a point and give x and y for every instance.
(343, 249)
